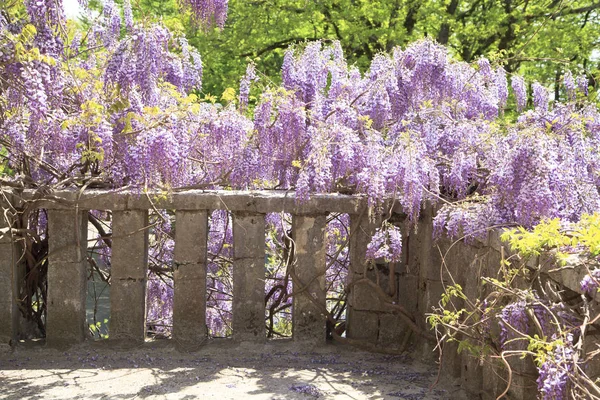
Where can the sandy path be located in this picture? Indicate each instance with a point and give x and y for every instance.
(217, 371)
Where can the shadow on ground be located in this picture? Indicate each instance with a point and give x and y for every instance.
(220, 370)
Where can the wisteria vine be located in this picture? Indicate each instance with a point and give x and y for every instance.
(120, 105)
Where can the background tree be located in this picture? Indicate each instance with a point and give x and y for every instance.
(539, 38)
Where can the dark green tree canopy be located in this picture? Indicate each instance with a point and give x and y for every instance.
(538, 38)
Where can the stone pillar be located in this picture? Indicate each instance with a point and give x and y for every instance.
(249, 277)
(428, 266)
(129, 274)
(189, 276)
(67, 246)
(362, 322)
(9, 314)
(308, 233)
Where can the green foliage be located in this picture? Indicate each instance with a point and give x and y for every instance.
(4, 169)
(99, 327)
(534, 37)
(450, 292)
(588, 233)
(551, 235)
(541, 347)
(520, 316)
(544, 236)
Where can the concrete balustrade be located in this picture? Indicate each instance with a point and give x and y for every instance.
(67, 230)
(363, 324)
(375, 292)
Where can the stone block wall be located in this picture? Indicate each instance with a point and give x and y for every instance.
(428, 267)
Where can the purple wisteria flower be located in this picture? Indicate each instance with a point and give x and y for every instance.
(502, 86)
(520, 90)
(570, 85)
(591, 282)
(386, 244)
(583, 84)
(248, 78)
(553, 380)
(540, 96)
(208, 13)
(513, 315)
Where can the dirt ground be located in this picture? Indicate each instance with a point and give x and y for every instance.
(220, 370)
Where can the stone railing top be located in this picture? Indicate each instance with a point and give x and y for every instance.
(260, 201)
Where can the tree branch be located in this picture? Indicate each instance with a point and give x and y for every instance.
(277, 45)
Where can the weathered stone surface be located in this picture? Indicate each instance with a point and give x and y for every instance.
(249, 277)
(67, 245)
(408, 295)
(234, 200)
(495, 379)
(592, 368)
(365, 298)
(451, 360)
(428, 269)
(127, 323)
(431, 294)
(391, 331)
(367, 329)
(8, 307)
(191, 229)
(471, 282)
(189, 300)
(130, 244)
(523, 380)
(361, 232)
(129, 269)
(309, 288)
(571, 277)
(494, 240)
(471, 374)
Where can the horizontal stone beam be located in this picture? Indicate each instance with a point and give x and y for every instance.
(260, 202)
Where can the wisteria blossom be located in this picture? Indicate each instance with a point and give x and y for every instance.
(121, 107)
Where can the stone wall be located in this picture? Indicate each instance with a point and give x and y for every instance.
(428, 267)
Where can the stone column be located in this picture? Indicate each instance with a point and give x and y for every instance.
(67, 247)
(9, 314)
(189, 302)
(362, 322)
(129, 274)
(308, 233)
(249, 277)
